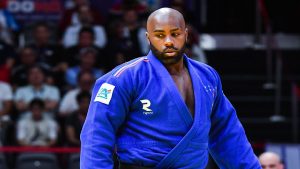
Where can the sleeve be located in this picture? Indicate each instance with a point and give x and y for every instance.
(19, 95)
(53, 129)
(7, 92)
(68, 103)
(100, 36)
(21, 131)
(54, 94)
(228, 143)
(108, 107)
(70, 36)
(11, 22)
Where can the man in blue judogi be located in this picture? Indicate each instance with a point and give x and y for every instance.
(163, 110)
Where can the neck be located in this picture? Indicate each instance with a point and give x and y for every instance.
(41, 43)
(37, 86)
(86, 67)
(176, 68)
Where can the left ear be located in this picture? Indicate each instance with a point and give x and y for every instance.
(147, 35)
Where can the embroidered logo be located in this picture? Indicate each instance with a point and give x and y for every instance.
(104, 94)
(146, 104)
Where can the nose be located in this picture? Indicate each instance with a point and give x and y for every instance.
(168, 42)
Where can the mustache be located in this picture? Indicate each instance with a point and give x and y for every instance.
(168, 48)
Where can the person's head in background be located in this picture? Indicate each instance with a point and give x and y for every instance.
(85, 15)
(27, 56)
(270, 160)
(85, 80)
(79, 3)
(37, 107)
(83, 100)
(130, 17)
(86, 37)
(116, 29)
(88, 57)
(41, 34)
(36, 76)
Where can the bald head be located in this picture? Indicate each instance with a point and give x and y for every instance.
(165, 15)
(270, 160)
(167, 35)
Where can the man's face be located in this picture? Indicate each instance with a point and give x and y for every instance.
(130, 17)
(88, 60)
(86, 39)
(86, 82)
(27, 56)
(36, 112)
(42, 34)
(85, 15)
(35, 76)
(167, 37)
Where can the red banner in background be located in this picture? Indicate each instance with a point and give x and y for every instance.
(10, 149)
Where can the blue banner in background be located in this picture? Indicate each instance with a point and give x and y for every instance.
(28, 11)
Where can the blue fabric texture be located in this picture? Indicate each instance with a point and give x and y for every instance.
(137, 111)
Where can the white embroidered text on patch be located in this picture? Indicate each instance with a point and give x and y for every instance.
(104, 94)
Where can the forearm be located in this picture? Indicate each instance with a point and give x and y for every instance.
(51, 142)
(74, 142)
(23, 143)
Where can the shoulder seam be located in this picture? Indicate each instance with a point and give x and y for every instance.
(125, 67)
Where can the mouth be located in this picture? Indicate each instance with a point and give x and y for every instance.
(170, 53)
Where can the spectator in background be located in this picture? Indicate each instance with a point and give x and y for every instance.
(86, 19)
(36, 88)
(7, 60)
(135, 34)
(71, 16)
(75, 120)
(49, 52)
(87, 63)
(117, 49)
(27, 58)
(182, 7)
(37, 129)
(6, 97)
(193, 49)
(118, 7)
(8, 25)
(270, 160)
(6, 114)
(86, 40)
(85, 80)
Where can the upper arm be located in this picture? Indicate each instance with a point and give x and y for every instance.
(228, 143)
(107, 111)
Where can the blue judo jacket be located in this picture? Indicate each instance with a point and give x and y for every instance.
(137, 110)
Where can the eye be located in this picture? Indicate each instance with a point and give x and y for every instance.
(160, 35)
(175, 34)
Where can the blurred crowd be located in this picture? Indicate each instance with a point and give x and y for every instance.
(47, 70)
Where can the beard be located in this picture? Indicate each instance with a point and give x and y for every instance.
(167, 60)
